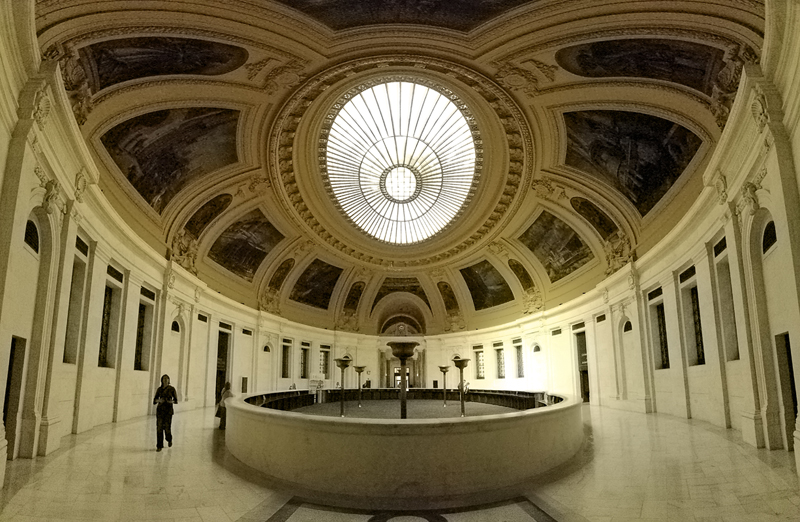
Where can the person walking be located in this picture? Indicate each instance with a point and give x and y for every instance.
(222, 412)
(165, 397)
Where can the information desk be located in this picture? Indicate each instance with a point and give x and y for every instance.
(402, 464)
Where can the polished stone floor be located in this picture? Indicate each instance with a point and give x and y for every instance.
(632, 467)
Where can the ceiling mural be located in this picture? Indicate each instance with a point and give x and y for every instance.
(315, 285)
(161, 152)
(401, 284)
(692, 64)
(115, 61)
(523, 276)
(556, 245)
(242, 247)
(486, 286)
(448, 296)
(207, 213)
(461, 15)
(354, 296)
(277, 279)
(638, 154)
(596, 217)
(159, 90)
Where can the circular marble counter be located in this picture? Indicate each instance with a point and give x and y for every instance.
(404, 464)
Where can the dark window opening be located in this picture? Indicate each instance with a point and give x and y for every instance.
(32, 236)
(770, 237)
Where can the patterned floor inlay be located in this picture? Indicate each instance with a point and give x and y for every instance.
(516, 510)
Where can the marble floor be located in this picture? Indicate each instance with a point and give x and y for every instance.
(632, 467)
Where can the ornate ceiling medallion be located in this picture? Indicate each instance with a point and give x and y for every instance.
(311, 104)
(400, 158)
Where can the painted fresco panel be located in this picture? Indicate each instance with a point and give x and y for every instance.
(448, 296)
(242, 247)
(277, 279)
(462, 15)
(401, 284)
(161, 152)
(315, 286)
(639, 155)
(207, 213)
(115, 61)
(522, 275)
(354, 296)
(598, 219)
(486, 285)
(692, 64)
(556, 245)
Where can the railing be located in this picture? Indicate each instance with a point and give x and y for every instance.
(293, 399)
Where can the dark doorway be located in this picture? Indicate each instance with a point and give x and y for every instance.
(788, 390)
(583, 365)
(13, 397)
(223, 343)
(397, 377)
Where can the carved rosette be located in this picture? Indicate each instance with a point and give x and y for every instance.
(283, 135)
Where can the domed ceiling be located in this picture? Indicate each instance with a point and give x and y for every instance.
(231, 139)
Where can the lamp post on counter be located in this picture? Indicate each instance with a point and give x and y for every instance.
(343, 363)
(444, 369)
(359, 370)
(461, 364)
(403, 350)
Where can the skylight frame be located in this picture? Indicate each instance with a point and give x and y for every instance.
(370, 132)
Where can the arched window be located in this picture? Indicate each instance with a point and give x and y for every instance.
(266, 348)
(627, 327)
(175, 326)
(770, 237)
(537, 348)
(32, 236)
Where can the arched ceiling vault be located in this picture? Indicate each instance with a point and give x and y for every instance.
(592, 122)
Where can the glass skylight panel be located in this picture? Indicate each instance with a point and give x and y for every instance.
(400, 159)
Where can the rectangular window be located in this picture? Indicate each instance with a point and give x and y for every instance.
(325, 360)
(140, 323)
(697, 327)
(77, 293)
(305, 348)
(501, 363)
(660, 337)
(727, 313)
(480, 370)
(286, 358)
(520, 362)
(105, 328)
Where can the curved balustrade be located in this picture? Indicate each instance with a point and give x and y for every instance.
(292, 399)
(403, 464)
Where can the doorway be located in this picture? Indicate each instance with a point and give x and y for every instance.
(13, 397)
(397, 377)
(583, 365)
(787, 388)
(223, 343)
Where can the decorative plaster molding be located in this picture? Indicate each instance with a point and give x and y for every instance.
(721, 186)
(547, 189)
(51, 196)
(42, 106)
(510, 116)
(184, 251)
(43, 179)
(81, 184)
(532, 301)
(618, 251)
(760, 110)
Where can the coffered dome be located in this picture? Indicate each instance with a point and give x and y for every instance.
(345, 164)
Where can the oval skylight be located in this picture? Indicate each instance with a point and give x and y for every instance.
(400, 159)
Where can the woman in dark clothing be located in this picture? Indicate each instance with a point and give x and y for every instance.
(165, 397)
